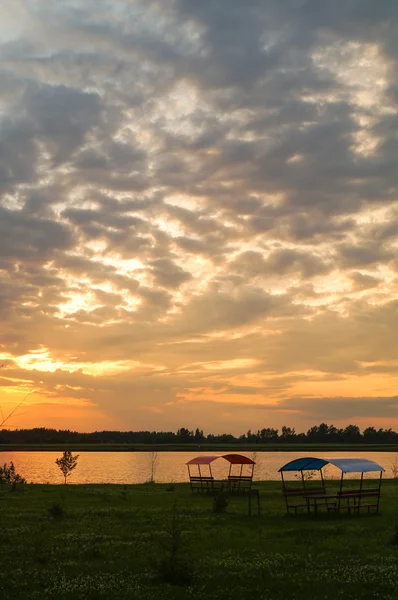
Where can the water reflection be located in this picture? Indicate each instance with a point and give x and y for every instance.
(135, 467)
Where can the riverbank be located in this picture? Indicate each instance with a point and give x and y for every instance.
(210, 448)
(94, 542)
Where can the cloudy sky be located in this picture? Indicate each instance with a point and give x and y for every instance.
(198, 213)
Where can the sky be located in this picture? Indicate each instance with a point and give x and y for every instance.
(198, 213)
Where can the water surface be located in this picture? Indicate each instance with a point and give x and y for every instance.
(135, 467)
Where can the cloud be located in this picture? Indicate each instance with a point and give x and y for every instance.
(193, 183)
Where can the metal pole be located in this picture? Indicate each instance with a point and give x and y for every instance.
(341, 489)
(378, 495)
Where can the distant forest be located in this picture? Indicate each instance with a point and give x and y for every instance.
(322, 433)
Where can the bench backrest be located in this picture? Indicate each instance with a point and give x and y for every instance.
(303, 491)
(362, 493)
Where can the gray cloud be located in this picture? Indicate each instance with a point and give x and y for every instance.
(190, 182)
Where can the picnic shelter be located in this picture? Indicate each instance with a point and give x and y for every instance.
(311, 494)
(239, 478)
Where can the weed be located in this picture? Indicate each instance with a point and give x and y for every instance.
(171, 564)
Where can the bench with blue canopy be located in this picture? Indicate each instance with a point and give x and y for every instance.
(346, 465)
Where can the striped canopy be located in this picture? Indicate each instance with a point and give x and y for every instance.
(235, 459)
(346, 465)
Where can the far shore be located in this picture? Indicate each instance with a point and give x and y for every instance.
(208, 448)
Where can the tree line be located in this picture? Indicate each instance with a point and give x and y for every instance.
(322, 433)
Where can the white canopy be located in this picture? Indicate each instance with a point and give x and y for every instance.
(346, 465)
(355, 465)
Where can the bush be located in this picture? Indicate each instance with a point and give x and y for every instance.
(394, 537)
(57, 511)
(124, 492)
(9, 476)
(220, 502)
(170, 487)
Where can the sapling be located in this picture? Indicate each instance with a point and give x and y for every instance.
(67, 463)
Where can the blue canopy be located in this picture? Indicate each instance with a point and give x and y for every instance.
(346, 465)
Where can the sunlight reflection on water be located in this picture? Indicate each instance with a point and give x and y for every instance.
(134, 467)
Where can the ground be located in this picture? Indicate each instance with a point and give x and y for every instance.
(126, 542)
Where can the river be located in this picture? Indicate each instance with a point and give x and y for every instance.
(135, 467)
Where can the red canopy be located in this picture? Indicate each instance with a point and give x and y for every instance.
(235, 459)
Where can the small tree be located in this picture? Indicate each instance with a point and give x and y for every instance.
(67, 463)
(394, 468)
(153, 464)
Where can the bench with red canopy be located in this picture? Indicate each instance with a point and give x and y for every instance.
(234, 482)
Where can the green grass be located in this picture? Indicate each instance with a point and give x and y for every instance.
(100, 541)
(204, 447)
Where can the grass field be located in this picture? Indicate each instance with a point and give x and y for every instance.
(108, 542)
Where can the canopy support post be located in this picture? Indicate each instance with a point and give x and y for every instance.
(302, 478)
(360, 490)
(378, 497)
(341, 491)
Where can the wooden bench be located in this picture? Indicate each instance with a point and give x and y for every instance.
(294, 496)
(201, 484)
(370, 495)
(240, 483)
(207, 484)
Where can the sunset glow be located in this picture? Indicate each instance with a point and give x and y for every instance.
(198, 223)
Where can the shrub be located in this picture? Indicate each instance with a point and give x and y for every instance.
(124, 492)
(57, 511)
(9, 476)
(170, 487)
(220, 502)
(394, 537)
